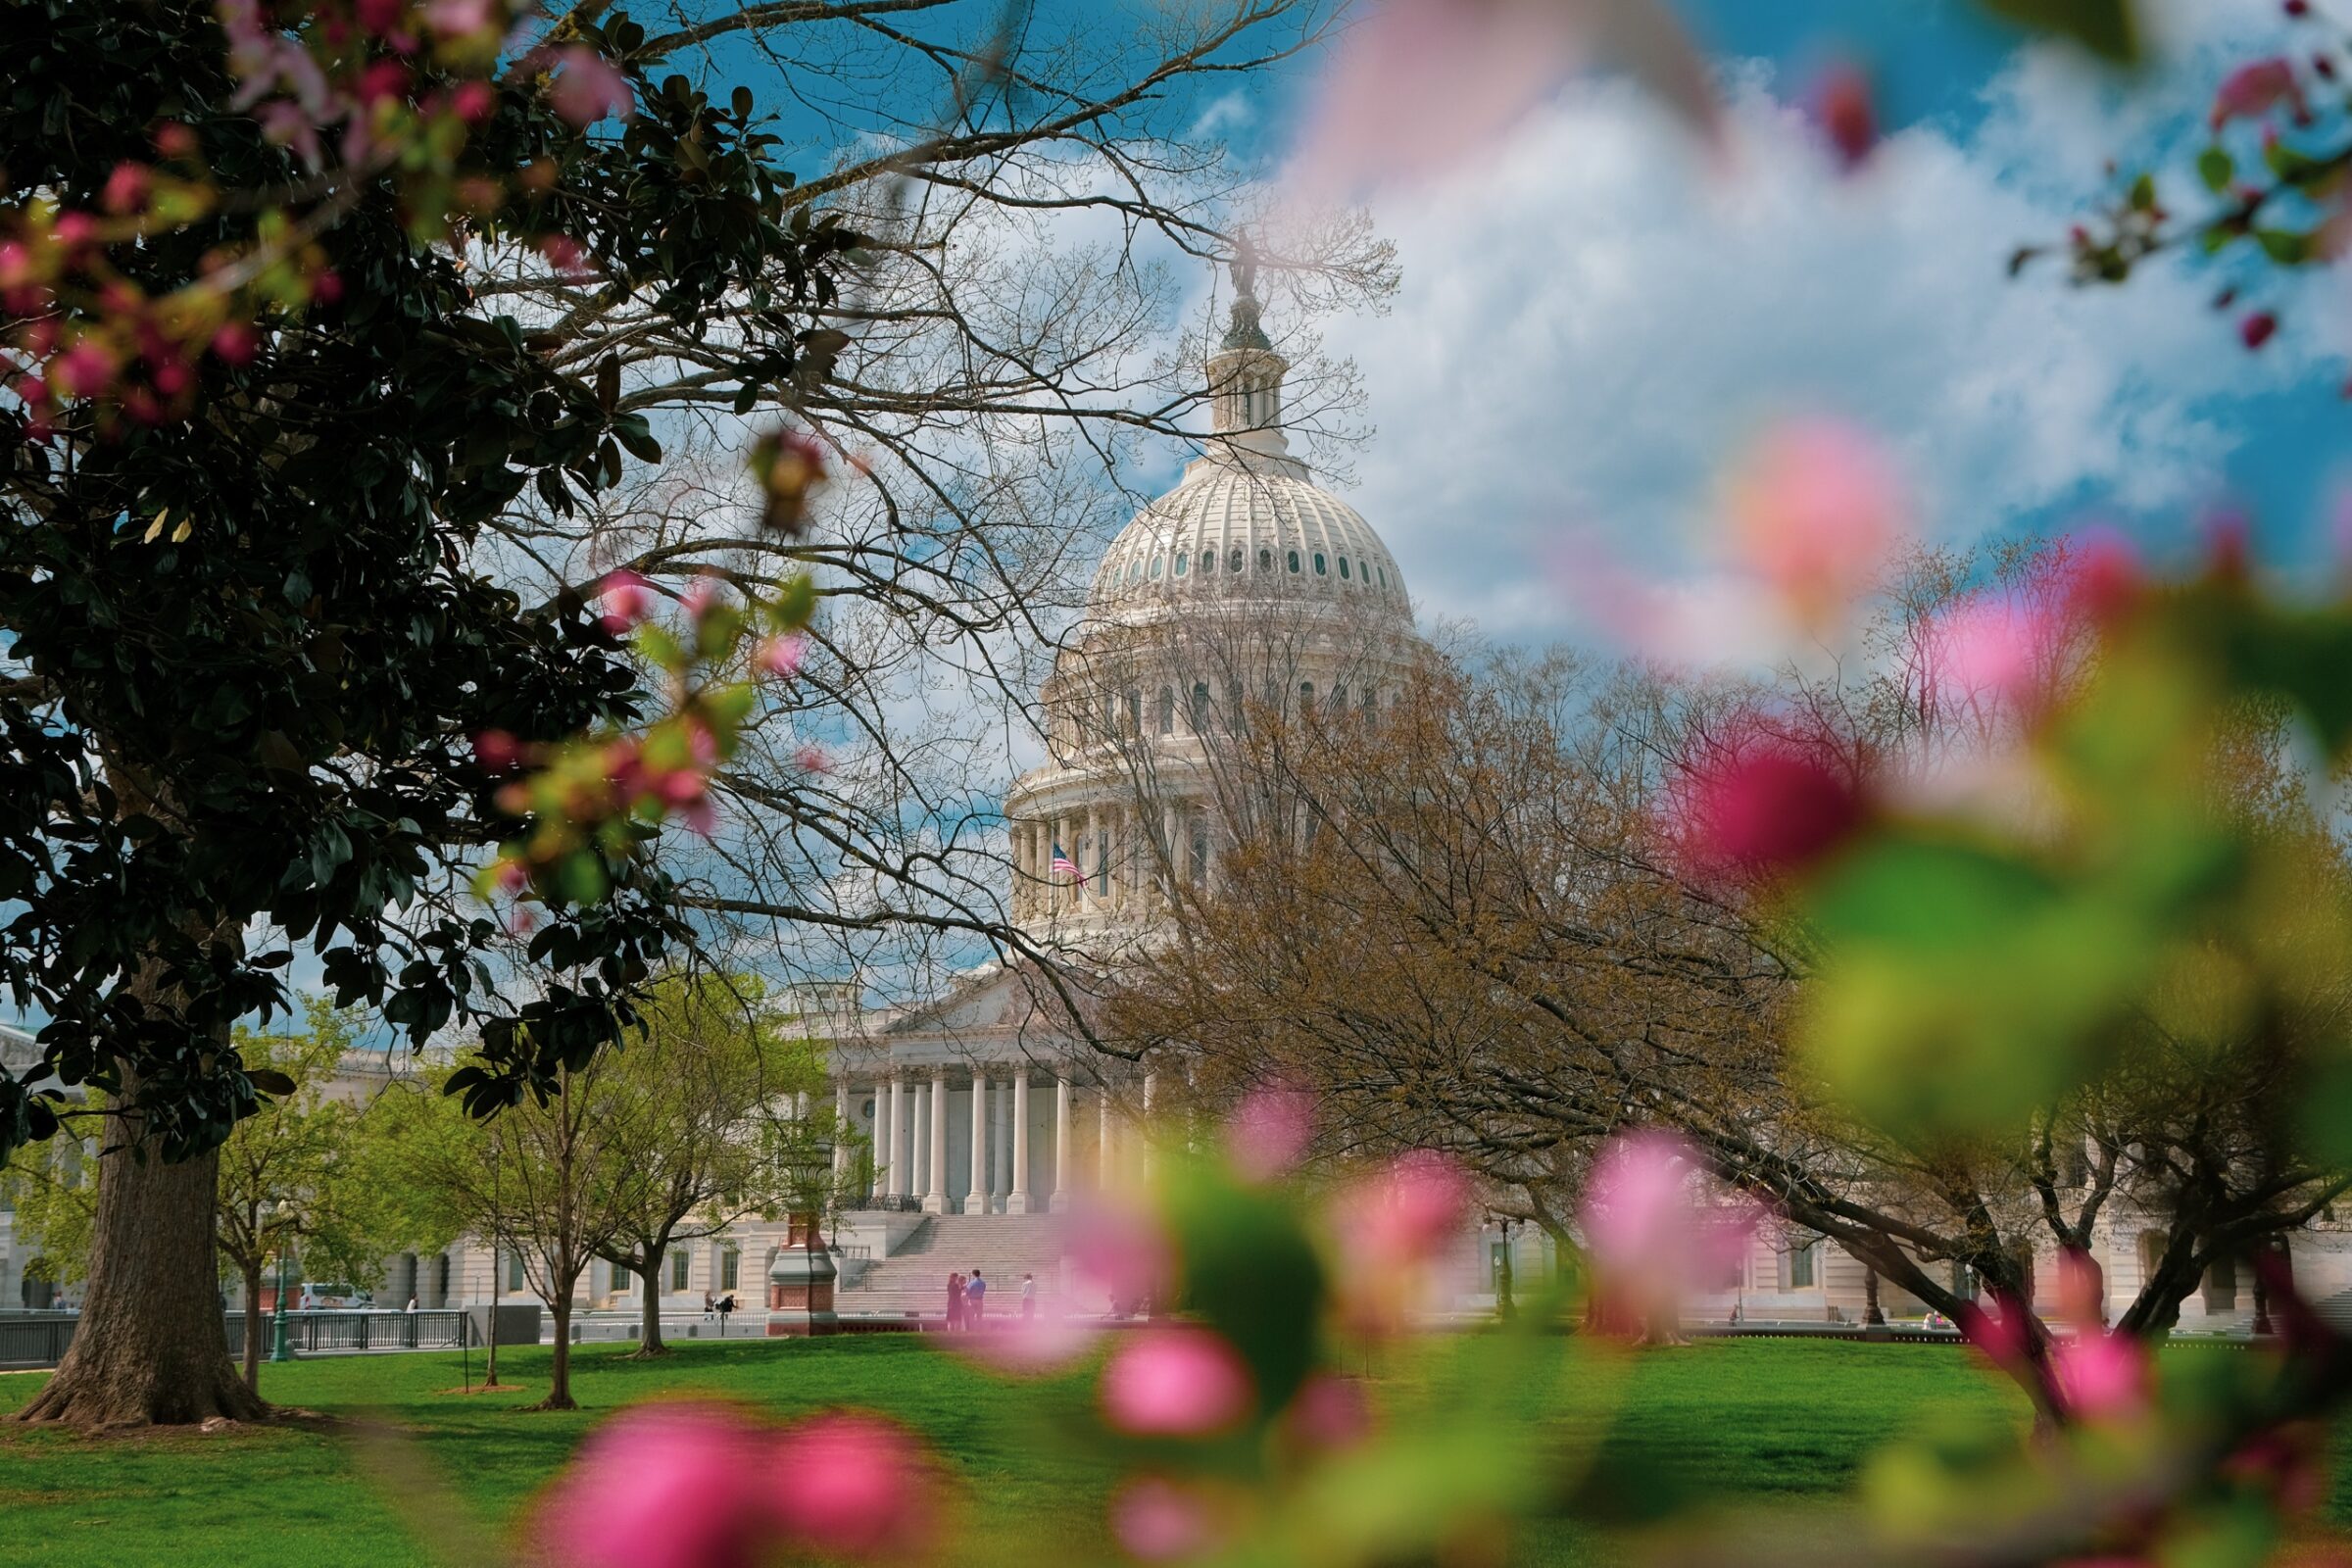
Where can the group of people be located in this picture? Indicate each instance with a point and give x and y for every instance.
(967, 1299)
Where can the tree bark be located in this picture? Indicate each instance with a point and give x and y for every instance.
(148, 1349)
(649, 1322)
(1872, 1313)
(252, 1275)
(558, 1381)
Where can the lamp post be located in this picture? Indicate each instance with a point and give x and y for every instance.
(281, 1351)
(799, 1285)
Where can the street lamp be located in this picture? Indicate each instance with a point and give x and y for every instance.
(283, 1214)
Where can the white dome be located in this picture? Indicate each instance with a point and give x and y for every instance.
(1243, 528)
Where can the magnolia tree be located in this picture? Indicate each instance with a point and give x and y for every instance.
(435, 272)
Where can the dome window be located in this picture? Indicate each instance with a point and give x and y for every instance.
(1293, 561)
(1233, 560)
(1265, 561)
(1184, 560)
(1156, 563)
(1342, 568)
(1208, 562)
(1322, 568)
(1384, 576)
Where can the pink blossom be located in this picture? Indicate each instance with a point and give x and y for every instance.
(126, 188)
(812, 759)
(853, 1485)
(1765, 804)
(378, 18)
(1027, 1347)
(626, 596)
(83, 371)
(589, 88)
(383, 79)
(2101, 1374)
(2253, 90)
(1406, 1213)
(1175, 1383)
(1121, 1249)
(1993, 645)
(474, 101)
(512, 876)
(1268, 1132)
(781, 656)
(1329, 1412)
(1816, 512)
(661, 1486)
(1157, 1521)
(1842, 106)
(1654, 1233)
(2105, 575)
(498, 751)
(1419, 86)
(700, 817)
(2257, 329)
(460, 18)
(568, 256)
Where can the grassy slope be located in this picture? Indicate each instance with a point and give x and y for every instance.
(1724, 1420)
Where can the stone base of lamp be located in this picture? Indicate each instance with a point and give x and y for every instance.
(800, 1284)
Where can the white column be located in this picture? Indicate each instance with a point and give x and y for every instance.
(1144, 1129)
(1058, 1199)
(896, 1152)
(1017, 1202)
(1000, 1175)
(1104, 1166)
(935, 1198)
(918, 1144)
(975, 1200)
(841, 1128)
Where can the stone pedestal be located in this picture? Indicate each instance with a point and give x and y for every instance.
(799, 1285)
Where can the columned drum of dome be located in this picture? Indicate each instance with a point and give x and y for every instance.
(1247, 584)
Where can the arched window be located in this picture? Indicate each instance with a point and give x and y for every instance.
(1293, 561)
(1135, 712)
(1198, 868)
(1167, 710)
(1321, 568)
(1184, 560)
(1306, 697)
(1233, 560)
(1133, 567)
(1208, 562)
(1155, 566)
(1339, 700)
(1200, 707)
(1265, 561)
(1342, 568)
(1384, 576)
(1233, 704)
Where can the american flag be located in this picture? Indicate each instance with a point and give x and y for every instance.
(1063, 866)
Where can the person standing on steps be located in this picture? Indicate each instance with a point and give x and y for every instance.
(1028, 1296)
(975, 1300)
(954, 1302)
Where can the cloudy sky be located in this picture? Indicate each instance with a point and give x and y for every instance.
(1593, 319)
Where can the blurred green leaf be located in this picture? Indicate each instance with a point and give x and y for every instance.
(2108, 27)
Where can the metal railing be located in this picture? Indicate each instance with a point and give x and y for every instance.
(33, 1340)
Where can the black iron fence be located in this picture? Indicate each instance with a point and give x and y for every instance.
(39, 1338)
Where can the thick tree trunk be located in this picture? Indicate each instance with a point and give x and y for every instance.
(1872, 1316)
(149, 1351)
(649, 1321)
(254, 1326)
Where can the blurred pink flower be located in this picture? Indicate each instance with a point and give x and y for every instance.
(498, 751)
(126, 188)
(1329, 1412)
(1406, 1213)
(1763, 804)
(458, 19)
(781, 656)
(626, 598)
(83, 371)
(2101, 1374)
(1175, 1383)
(1653, 1231)
(2253, 90)
(853, 1485)
(1268, 1131)
(474, 101)
(1417, 86)
(1156, 1521)
(1995, 646)
(1026, 1346)
(1122, 1249)
(812, 759)
(589, 88)
(1841, 105)
(1816, 512)
(661, 1486)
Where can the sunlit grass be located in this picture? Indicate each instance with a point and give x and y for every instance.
(1727, 1421)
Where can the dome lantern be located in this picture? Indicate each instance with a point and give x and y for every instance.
(1245, 377)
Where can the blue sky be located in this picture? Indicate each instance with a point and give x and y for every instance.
(1591, 324)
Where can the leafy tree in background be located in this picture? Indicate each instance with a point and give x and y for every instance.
(704, 1129)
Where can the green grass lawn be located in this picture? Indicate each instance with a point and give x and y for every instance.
(1724, 1421)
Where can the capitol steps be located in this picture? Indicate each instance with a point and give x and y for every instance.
(1002, 1247)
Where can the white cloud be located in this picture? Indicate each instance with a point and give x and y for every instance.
(1591, 322)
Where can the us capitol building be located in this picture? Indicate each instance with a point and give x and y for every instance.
(984, 1117)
